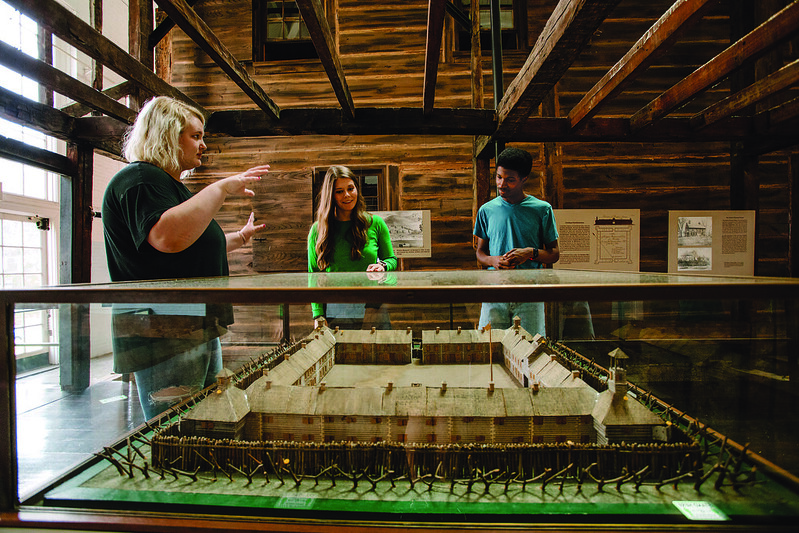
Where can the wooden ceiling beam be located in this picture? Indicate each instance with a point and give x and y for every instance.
(776, 82)
(163, 29)
(202, 35)
(435, 30)
(40, 117)
(26, 154)
(62, 83)
(61, 22)
(567, 31)
(464, 121)
(771, 33)
(782, 113)
(116, 92)
(369, 121)
(658, 39)
(314, 16)
(104, 134)
(56, 123)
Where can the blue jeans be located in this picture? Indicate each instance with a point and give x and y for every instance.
(501, 314)
(182, 375)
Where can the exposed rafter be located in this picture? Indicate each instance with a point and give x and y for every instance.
(57, 19)
(38, 157)
(199, 32)
(760, 40)
(314, 16)
(435, 29)
(657, 39)
(772, 84)
(163, 29)
(115, 93)
(55, 123)
(782, 113)
(411, 121)
(567, 31)
(369, 121)
(62, 83)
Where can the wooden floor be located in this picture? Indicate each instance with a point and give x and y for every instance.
(57, 430)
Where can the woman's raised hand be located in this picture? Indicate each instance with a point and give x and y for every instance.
(240, 183)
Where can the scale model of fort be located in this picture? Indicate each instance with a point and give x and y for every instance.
(284, 413)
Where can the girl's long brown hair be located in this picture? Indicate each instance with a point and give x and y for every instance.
(326, 214)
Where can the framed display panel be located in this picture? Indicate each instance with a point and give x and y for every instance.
(433, 423)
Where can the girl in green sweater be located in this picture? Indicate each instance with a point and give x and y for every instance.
(346, 238)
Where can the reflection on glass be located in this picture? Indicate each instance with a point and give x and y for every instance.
(173, 350)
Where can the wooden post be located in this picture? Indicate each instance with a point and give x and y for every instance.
(163, 52)
(97, 81)
(478, 93)
(793, 212)
(496, 64)
(744, 183)
(46, 53)
(552, 192)
(76, 217)
(552, 175)
(481, 171)
(140, 14)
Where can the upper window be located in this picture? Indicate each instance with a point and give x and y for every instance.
(512, 21)
(279, 31)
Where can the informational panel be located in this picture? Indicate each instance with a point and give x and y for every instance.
(598, 239)
(410, 232)
(712, 242)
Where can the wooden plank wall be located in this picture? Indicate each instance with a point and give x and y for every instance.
(382, 54)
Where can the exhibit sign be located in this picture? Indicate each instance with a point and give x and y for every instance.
(598, 239)
(712, 242)
(410, 232)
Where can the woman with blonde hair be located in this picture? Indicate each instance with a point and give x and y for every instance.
(155, 228)
(346, 238)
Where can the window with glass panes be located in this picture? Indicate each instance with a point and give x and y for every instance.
(23, 255)
(512, 21)
(279, 32)
(29, 195)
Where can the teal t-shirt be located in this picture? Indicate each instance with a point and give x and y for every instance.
(528, 224)
(378, 246)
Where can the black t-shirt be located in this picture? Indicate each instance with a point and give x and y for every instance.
(134, 201)
(144, 334)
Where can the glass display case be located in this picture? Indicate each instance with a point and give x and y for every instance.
(661, 400)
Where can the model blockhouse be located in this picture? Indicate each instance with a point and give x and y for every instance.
(460, 346)
(552, 405)
(309, 364)
(373, 347)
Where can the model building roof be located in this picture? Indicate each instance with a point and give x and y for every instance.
(419, 401)
(223, 405)
(571, 401)
(361, 401)
(620, 409)
(295, 365)
(280, 399)
(378, 336)
(513, 337)
(458, 336)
